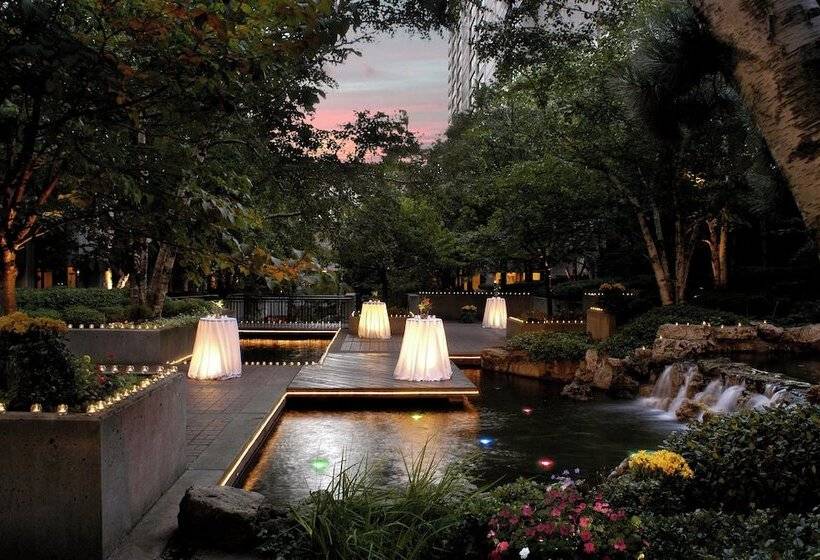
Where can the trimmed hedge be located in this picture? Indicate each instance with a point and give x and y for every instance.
(575, 289)
(62, 298)
(552, 347)
(82, 315)
(642, 330)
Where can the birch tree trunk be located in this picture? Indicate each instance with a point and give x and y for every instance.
(776, 47)
(718, 243)
(684, 246)
(160, 278)
(658, 261)
(139, 276)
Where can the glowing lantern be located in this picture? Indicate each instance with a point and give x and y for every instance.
(495, 313)
(216, 350)
(374, 322)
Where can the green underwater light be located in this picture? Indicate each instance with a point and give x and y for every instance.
(319, 464)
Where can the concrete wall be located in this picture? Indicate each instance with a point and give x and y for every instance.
(516, 326)
(72, 486)
(447, 305)
(600, 324)
(132, 346)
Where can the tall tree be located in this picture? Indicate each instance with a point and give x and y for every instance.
(777, 67)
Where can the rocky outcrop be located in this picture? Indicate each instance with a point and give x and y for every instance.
(601, 372)
(734, 373)
(518, 362)
(220, 516)
(578, 391)
(681, 342)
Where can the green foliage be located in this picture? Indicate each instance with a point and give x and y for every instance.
(82, 315)
(189, 306)
(551, 347)
(139, 313)
(61, 298)
(575, 289)
(356, 517)
(758, 535)
(46, 313)
(751, 460)
(115, 313)
(642, 330)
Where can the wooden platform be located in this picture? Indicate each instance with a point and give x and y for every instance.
(351, 374)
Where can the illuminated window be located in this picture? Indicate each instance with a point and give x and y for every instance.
(536, 276)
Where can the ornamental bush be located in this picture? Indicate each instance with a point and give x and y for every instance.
(642, 330)
(82, 315)
(754, 459)
(551, 347)
(189, 306)
(575, 289)
(61, 298)
(46, 313)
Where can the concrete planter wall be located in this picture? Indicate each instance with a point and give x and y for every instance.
(600, 324)
(72, 486)
(135, 346)
(447, 305)
(397, 323)
(516, 326)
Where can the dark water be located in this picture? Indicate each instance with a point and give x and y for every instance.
(517, 427)
(279, 350)
(801, 368)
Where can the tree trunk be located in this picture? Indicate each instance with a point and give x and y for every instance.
(659, 265)
(718, 243)
(684, 246)
(777, 59)
(161, 277)
(723, 253)
(8, 279)
(139, 276)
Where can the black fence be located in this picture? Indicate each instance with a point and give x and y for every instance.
(295, 309)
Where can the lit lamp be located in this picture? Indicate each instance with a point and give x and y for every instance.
(374, 322)
(216, 349)
(495, 313)
(424, 355)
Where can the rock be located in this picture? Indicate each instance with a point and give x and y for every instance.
(621, 469)
(623, 386)
(645, 390)
(805, 338)
(769, 332)
(577, 391)
(734, 333)
(689, 410)
(668, 350)
(221, 516)
(518, 362)
(686, 332)
(813, 394)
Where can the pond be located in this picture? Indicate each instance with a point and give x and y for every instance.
(282, 349)
(518, 427)
(801, 368)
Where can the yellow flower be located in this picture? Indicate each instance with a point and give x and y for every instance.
(663, 461)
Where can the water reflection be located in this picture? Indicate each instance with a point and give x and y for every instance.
(517, 427)
(282, 350)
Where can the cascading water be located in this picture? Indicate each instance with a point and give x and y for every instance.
(671, 391)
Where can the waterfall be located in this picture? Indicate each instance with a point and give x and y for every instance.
(668, 396)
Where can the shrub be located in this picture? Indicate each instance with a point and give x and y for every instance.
(756, 459)
(663, 462)
(190, 306)
(35, 365)
(62, 298)
(115, 314)
(550, 347)
(760, 535)
(46, 313)
(82, 315)
(642, 330)
(575, 289)
(139, 313)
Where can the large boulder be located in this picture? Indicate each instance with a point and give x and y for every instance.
(667, 350)
(517, 362)
(804, 339)
(623, 386)
(220, 516)
(769, 332)
(577, 390)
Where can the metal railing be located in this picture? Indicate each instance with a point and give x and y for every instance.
(291, 309)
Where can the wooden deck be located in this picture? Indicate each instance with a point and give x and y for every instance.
(352, 374)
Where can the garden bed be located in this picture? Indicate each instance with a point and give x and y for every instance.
(75, 484)
(517, 326)
(133, 345)
(397, 323)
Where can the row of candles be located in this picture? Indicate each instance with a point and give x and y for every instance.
(130, 326)
(160, 373)
(472, 294)
(280, 363)
(297, 323)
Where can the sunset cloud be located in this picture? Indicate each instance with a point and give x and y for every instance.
(393, 73)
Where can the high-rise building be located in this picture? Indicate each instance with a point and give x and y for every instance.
(465, 71)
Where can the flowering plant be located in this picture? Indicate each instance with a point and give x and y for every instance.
(425, 305)
(469, 308)
(664, 462)
(564, 524)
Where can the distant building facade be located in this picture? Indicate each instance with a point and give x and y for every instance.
(465, 71)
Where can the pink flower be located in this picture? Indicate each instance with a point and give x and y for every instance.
(584, 522)
(589, 548)
(514, 520)
(502, 546)
(601, 507)
(526, 510)
(619, 545)
(556, 512)
(586, 536)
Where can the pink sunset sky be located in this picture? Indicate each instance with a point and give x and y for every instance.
(400, 72)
